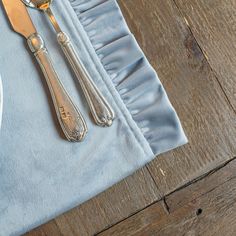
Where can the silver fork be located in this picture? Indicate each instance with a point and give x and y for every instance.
(102, 112)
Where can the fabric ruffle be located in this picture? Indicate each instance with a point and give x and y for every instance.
(132, 75)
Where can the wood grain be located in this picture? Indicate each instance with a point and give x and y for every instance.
(108, 208)
(213, 24)
(50, 229)
(199, 76)
(214, 180)
(206, 115)
(210, 213)
(113, 205)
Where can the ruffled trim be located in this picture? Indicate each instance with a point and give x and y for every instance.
(132, 75)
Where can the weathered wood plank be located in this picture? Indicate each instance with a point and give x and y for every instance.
(36, 232)
(119, 202)
(213, 24)
(210, 213)
(207, 184)
(206, 115)
(139, 223)
(50, 229)
(201, 187)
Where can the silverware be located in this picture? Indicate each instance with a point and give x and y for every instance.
(68, 114)
(102, 112)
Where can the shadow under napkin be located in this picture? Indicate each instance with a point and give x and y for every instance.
(43, 175)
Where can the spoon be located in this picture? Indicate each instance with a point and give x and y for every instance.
(101, 111)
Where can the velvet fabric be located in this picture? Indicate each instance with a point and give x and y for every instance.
(41, 174)
(1, 102)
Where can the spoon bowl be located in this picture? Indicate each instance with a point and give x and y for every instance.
(39, 4)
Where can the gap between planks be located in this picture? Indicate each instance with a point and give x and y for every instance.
(191, 85)
(164, 201)
(186, 207)
(136, 21)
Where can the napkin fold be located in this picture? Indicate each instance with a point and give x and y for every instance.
(41, 174)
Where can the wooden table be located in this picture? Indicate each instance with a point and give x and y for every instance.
(191, 190)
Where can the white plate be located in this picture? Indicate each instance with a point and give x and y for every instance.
(1, 101)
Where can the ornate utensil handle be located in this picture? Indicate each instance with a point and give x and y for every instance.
(100, 109)
(70, 118)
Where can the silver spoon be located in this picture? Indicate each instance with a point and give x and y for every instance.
(102, 112)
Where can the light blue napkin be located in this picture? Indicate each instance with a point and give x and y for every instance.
(1, 101)
(41, 174)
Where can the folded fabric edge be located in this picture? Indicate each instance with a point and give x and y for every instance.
(132, 75)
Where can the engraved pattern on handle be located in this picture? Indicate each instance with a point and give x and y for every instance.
(70, 118)
(102, 112)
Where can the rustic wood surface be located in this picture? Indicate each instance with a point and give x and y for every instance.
(210, 213)
(113, 205)
(207, 117)
(213, 24)
(190, 190)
